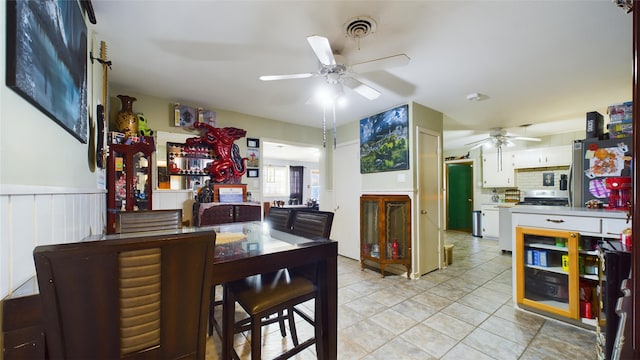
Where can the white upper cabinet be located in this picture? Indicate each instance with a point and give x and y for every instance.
(496, 173)
(543, 157)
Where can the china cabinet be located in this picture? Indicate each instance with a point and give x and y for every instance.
(385, 230)
(129, 179)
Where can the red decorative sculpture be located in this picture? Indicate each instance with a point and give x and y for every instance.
(229, 166)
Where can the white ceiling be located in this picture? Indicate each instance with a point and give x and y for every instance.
(538, 62)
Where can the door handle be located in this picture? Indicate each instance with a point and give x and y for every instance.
(423, 212)
(469, 200)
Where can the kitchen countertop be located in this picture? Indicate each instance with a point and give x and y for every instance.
(572, 211)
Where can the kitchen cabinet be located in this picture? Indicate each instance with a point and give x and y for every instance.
(547, 275)
(543, 157)
(385, 230)
(558, 260)
(129, 182)
(498, 169)
(490, 221)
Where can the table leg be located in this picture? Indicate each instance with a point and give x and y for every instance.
(228, 312)
(328, 282)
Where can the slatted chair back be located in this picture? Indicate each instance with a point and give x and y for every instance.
(148, 220)
(312, 224)
(136, 298)
(280, 218)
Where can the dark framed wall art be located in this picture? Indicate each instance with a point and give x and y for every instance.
(47, 60)
(384, 141)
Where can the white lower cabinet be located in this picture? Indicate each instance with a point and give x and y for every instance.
(490, 221)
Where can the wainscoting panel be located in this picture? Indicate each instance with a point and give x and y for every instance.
(32, 216)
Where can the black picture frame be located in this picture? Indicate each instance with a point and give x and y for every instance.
(253, 143)
(253, 173)
(46, 60)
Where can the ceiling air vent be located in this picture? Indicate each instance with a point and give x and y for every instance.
(359, 27)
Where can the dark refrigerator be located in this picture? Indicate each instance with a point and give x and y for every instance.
(595, 161)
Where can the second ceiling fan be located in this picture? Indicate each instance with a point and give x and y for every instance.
(337, 73)
(498, 137)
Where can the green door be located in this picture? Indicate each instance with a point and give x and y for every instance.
(459, 196)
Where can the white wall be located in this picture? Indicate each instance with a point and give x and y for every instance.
(48, 191)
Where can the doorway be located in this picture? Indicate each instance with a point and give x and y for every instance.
(459, 196)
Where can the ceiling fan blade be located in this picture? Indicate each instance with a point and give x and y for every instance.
(381, 64)
(362, 89)
(286, 77)
(479, 143)
(525, 138)
(321, 47)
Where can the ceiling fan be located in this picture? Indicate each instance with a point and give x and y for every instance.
(498, 137)
(337, 73)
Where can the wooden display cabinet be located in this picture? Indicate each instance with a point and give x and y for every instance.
(550, 274)
(385, 230)
(129, 179)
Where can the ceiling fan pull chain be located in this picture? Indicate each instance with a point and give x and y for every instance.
(499, 157)
(334, 127)
(324, 126)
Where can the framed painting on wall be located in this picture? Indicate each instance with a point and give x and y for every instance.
(384, 141)
(253, 156)
(185, 116)
(207, 116)
(47, 60)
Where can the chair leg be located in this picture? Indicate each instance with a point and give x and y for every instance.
(256, 338)
(292, 326)
(283, 331)
(212, 303)
(317, 324)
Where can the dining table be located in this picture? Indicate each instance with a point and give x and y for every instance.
(242, 249)
(251, 248)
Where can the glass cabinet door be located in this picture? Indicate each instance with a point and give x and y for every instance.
(396, 213)
(141, 184)
(369, 228)
(547, 271)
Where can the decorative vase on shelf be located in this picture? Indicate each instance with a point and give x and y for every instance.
(127, 121)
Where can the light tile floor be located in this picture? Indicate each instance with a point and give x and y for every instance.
(464, 311)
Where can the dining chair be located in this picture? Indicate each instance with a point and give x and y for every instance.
(136, 298)
(148, 220)
(279, 293)
(264, 295)
(312, 223)
(280, 218)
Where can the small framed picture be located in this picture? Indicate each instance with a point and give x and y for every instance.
(185, 116)
(253, 156)
(207, 116)
(254, 143)
(253, 173)
(548, 179)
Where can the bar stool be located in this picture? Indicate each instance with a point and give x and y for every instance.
(261, 296)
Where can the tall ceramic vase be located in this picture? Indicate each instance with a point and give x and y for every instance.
(127, 121)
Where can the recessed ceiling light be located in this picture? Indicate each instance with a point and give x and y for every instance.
(475, 97)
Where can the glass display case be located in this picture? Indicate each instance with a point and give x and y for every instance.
(548, 271)
(129, 179)
(385, 230)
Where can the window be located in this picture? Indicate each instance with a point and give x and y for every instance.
(276, 181)
(315, 184)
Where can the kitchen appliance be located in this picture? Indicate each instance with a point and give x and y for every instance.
(545, 197)
(593, 162)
